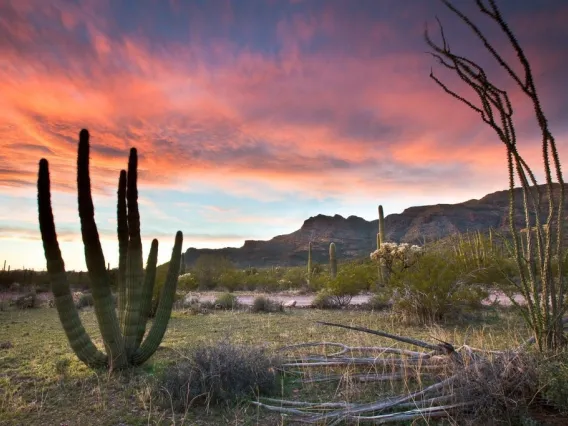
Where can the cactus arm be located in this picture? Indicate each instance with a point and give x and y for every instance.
(163, 313)
(332, 260)
(122, 231)
(134, 262)
(78, 338)
(147, 291)
(94, 257)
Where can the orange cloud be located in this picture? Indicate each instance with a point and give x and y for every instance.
(228, 114)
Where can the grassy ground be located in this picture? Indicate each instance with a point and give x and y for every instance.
(42, 382)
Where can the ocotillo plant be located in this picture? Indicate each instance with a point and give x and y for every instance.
(332, 261)
(123, 336)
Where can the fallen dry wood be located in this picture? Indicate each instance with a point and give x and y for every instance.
(454, 381)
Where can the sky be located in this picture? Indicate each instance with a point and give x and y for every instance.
(250, 116)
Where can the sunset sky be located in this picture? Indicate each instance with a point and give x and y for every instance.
(252, 115)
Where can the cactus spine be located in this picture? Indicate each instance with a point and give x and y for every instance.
(332, 261)
(123, 334)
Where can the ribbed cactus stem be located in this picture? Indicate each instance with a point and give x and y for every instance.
(78, 338)
(95, 260)
(147, 292)
(164, 310)
(134, 262)
(122, 232)
(332, 261)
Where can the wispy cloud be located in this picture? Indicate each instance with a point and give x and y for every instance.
(283, 102)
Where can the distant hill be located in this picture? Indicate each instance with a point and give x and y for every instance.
(356, 237)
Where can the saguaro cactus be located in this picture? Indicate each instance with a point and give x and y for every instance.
(380, 241)
(381, 227)
(123, 334)
(309, 261)
(332, 261)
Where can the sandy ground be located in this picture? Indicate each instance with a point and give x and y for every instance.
(301, 300)
(306, 300)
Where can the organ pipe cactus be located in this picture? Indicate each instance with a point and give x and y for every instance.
(122, 334)
(332, 261)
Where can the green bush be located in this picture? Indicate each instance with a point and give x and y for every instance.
(434, 287)
(264, 304)
(231, 279)
(187, 282)
(85, 299)
(324, 300)
(226, 301)
(208, 269)
(215, 374)
(553, 378)
(378, 302)
(28, 301)
(352, 278)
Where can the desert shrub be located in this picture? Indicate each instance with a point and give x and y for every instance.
(324, 300)
(433, 288)
(28, 301)
(187, 282)
(208, 269)
(226, 301)
(42, 288)
(296, 277)
(352, 278)
(4, 305)
(553, 379)
(231, 279)
(264, 304)
(84, 300)
(378, 302)
(221, 373)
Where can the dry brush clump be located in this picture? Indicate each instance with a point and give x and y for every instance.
(463, 384)
(219, 373)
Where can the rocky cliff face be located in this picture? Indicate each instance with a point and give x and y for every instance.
(356, 237)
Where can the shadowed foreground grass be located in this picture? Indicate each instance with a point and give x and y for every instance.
(42, 382)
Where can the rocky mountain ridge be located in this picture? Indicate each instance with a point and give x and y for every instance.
(356, 237)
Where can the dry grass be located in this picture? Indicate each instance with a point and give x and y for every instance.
(42, 382)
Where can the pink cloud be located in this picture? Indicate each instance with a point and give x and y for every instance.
(324, 117)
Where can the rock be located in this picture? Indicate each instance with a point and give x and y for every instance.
(290, 304)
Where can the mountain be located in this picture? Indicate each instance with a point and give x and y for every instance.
(356, 237)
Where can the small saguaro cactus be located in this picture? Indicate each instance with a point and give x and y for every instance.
(123, 335)
(332, 261)
(182, 266)
(381, 227)
(309, 261)
(380, 241)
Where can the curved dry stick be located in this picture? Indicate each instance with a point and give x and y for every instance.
(444, 348)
